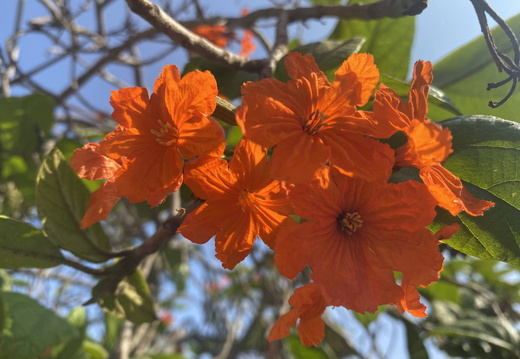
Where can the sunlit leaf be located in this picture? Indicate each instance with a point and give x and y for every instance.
(465, 73)
(389, 40)
(33, 328)
(487, 157)
(61, 199)
(23, 246)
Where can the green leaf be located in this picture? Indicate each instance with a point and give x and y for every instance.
(481, 328)
(93, 350)
(61, 199)
(367, 318)
(132, 299)
(389, 40)
(23, 246)
(300, 351)
(465, 73)
(24, 123)
(33, 328)
(487, 156)
(329, 55)
(78, 318)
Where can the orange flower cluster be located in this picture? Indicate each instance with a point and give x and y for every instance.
(143, 158)
(221, 36)
(322, 199)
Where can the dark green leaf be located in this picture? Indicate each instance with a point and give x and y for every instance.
(329, 55)
(23, 246)
(24, 123)
(464, 75)
(389, 40)
(487, 156)
(132, 299)
(33, 328)
(61, 199)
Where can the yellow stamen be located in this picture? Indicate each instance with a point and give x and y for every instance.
(167, 135)
(350, 222)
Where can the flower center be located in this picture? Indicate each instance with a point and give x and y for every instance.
(246, 201)
(314, 122)
(350, 222)
(167, 135)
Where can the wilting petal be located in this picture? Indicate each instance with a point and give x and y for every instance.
(91, 164)
(100, 204)
(309, 305)
(451, 195)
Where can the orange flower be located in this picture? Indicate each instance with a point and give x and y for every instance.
(247, 46)
(308, 305)
(242, 202)
(356, 235)
(216, 34)
(90, 163)
(428, 143)
(310, 121)
(143, 158)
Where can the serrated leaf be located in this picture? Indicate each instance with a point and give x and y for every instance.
(33, 329)
(24, 122)
(132, 299)
(389, 40)
(329, 55)
(61, 199)
(465, 73)
(23, 246)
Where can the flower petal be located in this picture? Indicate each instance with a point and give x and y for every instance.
(91, 164)
(448, 190)
(298, 65)
(130, 107)
(359, 74)
(100, 204)
(298, 158)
